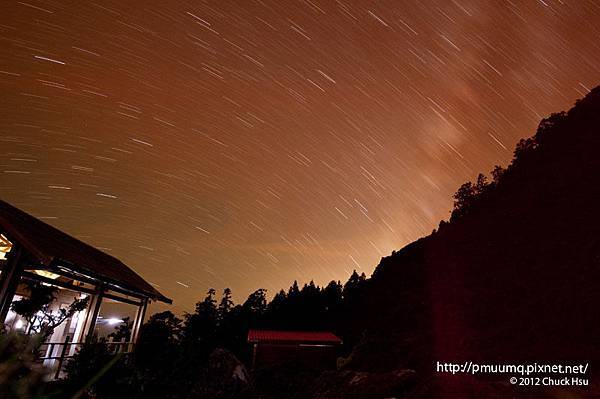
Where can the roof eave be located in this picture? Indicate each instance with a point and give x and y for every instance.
(156, 295)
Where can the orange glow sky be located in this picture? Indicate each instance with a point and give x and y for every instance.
(248, 144)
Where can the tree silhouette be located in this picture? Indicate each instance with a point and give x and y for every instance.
(278, 302)
(226, 304)
(159, 339)
(294, 291)
(122, 331)
(481, 185)
(332, 296)
(463, 199)
(37, 309)
(353, 285)
(256, 303)
(497, 174)
(202, 324)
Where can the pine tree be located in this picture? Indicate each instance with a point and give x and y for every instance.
(226, 304)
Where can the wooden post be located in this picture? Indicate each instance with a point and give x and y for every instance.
(92, 314)
(62, 357)
(254, 350)
(136, 321)
(139, 321)
(9, 280)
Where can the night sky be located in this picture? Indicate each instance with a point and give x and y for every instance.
(250, 143)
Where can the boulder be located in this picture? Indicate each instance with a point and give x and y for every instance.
(225, 378)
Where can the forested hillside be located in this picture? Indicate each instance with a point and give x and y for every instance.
(513, 275)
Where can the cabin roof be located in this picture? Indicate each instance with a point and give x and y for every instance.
(256, 336)
(52, 247)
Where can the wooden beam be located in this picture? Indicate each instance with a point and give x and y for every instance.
(93, 278)
(123, 300)
(63, 284)
(77, 288)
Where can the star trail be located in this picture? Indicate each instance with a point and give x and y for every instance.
(246, 144)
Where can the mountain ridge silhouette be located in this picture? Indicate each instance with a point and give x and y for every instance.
(512, 276)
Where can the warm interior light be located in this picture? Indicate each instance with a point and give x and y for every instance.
(5, 247)
(47, 274)
(113, 320)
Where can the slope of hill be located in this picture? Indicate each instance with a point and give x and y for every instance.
(513, 276)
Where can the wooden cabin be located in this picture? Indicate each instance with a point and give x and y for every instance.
(31, 250)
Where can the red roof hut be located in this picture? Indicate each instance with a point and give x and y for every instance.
(315, 349)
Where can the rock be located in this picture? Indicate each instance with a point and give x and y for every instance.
(224, 366)
(226, 378)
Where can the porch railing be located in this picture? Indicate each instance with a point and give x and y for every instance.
(54, 354)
